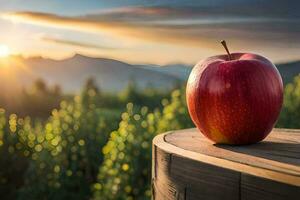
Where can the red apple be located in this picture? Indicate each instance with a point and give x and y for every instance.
(235, 98)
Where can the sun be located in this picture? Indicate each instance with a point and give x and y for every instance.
(4, 51)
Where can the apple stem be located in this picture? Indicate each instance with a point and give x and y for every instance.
(223, 42)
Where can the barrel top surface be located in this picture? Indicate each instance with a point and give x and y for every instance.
(277, 157)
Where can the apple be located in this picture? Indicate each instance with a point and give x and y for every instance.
(235, 98)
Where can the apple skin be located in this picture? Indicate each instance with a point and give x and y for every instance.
(235, 101)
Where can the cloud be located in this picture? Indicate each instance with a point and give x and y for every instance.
(119, 28)
(247, 8)
(52, 20)
(76, 43)
(195, 26)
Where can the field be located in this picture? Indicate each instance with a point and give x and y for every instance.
(94, 145)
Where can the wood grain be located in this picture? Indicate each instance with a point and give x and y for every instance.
(188, 166)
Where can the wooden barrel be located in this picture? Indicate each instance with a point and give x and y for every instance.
(187, 166)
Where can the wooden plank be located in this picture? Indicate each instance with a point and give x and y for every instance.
(163, 186)
(175, 174)
(204, 181)
(165, 189)
(279, 152)
(253, 188)
(188, 166)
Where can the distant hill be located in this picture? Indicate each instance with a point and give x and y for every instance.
(289, 70)
(111, 75)
(180, 71)
(70, 74)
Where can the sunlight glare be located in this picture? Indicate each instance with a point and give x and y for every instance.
(4, 51)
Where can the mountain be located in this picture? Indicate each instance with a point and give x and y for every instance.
(71, 73)
(289, 70)
(110, 75)
(180, 71)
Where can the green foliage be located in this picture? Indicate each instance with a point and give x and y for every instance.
(126, 170)
(36, 100)
(60, 157)
(148, 97)
(39, 99)
(68, 151)
(174, 114)
(16, 147)
(290, 115)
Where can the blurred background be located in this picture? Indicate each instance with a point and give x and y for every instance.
(86, 85)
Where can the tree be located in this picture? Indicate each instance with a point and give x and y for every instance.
(91, 84)
(130, 93)
(90, 93)
(56, 90)
(290, 113)
(40, 86)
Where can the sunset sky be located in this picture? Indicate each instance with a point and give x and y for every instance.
(157, 32)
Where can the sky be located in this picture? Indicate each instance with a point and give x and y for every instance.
(144, 31)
